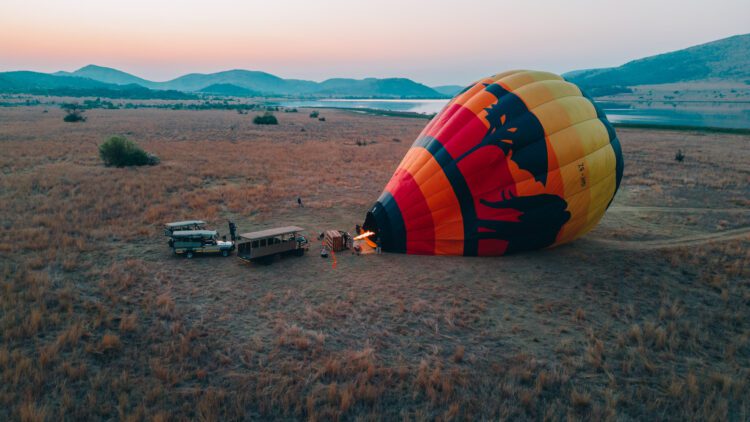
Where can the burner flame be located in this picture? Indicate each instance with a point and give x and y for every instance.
(364, 235)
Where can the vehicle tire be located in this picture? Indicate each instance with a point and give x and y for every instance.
(268, 260)
(225, 253)
(189, 254)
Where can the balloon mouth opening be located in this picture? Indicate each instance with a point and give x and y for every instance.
(369, 230)
(371, 225)
(386, 224)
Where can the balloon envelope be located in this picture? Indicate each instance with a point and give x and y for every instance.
(518, 161)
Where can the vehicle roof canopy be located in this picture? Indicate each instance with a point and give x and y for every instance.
(194, 233)
(271, 232)
(185, 223)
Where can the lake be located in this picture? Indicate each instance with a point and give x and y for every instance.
(699, 114)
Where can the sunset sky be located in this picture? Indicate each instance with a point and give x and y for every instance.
(434, 42)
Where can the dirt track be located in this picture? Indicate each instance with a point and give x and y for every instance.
(681, 241)
(677, 242)
(623, 208)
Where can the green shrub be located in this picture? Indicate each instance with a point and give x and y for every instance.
(266, 119)
(74, 113)
(120, 152)
(314, 115)
(74, 117)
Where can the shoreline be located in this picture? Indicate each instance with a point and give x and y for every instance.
(402, 114)
(413, 115)
(686, 128)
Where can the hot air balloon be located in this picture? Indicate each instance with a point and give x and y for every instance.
(519, 161)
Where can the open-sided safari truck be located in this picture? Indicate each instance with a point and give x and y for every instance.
(190, 242)
(177, 226)
(263, 246)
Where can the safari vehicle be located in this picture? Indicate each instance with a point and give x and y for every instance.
(169, 228)
(190, 242)
(263, 246)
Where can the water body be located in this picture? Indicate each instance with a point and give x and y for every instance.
(700, 114)
(413, 106)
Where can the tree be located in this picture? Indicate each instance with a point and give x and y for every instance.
(74, 113)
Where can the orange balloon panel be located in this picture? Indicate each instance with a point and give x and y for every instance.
(518, 161)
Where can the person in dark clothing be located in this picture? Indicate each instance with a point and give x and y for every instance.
(232, 231)
(299, 202)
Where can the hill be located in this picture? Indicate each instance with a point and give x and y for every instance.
(107, 75)
(449, 90)
(261, 82)
(239, 82)
(228, 90)
(372, 87)
(24, 81)
(74, 86)
(723, 60)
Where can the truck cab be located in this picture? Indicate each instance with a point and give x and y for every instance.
(263, 246)
(190, 242)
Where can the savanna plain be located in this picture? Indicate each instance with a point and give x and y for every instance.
(645, 318)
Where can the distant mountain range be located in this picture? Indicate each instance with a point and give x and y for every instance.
(228, 83)
(449, 90)
(107, 75)
(228, 90)
(27, 82)
(723, 60)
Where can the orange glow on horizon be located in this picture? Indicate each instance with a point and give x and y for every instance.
(425, 40)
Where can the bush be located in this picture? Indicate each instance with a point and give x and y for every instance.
(74, 117)
(74, 113)
(120, 152)
(680, 156)
(314, 115)
(266, 119)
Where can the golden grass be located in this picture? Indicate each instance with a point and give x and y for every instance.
(99, 321)
(30, 412)
(110, 342)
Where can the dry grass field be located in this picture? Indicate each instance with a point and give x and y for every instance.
(645, 318)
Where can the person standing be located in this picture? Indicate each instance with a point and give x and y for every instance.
(233, 231)
(299, 202)
(377, 244)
